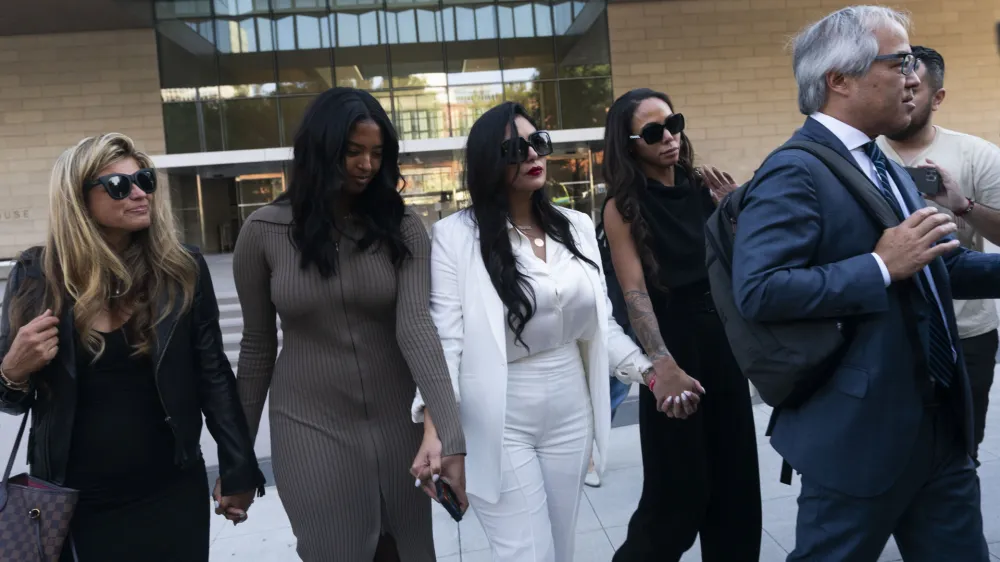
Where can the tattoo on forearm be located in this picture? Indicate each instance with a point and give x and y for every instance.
(643, 320)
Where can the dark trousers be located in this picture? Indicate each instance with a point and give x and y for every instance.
(701, 475)
(932, 510)
(980, 360)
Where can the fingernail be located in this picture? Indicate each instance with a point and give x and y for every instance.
(416, 483)
(435, 478)
(216, 504)
(684, 397)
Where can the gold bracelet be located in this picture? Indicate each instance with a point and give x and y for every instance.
(18, 386)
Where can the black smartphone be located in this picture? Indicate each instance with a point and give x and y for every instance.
(928, 180)
(449, 500)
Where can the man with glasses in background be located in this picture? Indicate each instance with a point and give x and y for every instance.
(970, 167)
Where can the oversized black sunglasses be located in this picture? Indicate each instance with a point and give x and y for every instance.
(118, 186)
(653, 132)
(539, 140)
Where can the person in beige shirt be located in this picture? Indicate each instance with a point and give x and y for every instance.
(970, 168)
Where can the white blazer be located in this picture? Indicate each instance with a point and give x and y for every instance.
(470, 319)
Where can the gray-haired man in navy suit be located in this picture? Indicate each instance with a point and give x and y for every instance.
(884, 447)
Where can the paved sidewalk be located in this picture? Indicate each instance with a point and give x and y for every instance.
(605, 511)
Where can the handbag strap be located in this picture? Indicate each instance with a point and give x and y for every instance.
(10, 462)
(13, 454)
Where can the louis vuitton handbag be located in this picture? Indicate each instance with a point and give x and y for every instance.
(34, 514)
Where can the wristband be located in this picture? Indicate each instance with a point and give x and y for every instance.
(968, 209)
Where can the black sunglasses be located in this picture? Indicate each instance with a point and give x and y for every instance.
(539, 140)
(653, 132)
(119, 186)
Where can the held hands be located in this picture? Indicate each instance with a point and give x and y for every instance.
(35, 345)
(233, 507)
(428, 467)
(718, 183)
(907, 248)
(677, 394)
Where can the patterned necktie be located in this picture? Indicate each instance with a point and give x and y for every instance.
(940, 361)
(882, 169)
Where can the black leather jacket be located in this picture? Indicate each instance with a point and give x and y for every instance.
(193, 377)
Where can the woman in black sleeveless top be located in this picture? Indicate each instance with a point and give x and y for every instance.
(700, 470)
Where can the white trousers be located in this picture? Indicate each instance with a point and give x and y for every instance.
(547, 442)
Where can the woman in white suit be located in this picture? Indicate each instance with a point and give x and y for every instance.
(520, 304)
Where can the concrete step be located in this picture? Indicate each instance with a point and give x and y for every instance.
(231, 311)
(227, 299)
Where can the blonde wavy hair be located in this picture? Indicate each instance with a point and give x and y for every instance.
(81, 268)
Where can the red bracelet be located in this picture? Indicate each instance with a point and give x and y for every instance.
(968, 209)
(652, 381)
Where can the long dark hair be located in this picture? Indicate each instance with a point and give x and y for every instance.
(317, 178)
(622, 174)
(486, 180)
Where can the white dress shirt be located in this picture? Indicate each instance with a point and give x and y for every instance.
(855, 141)
(565, 303)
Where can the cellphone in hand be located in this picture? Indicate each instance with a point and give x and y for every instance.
(928, 180)
(446, 496)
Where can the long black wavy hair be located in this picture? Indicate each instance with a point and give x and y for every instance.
(486, 179)
(317, 178)
(622, 174)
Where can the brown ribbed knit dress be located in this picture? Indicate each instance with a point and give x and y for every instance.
(355, 346)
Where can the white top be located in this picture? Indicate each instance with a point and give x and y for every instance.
(975, 165)
(565, 305)
(855, 141)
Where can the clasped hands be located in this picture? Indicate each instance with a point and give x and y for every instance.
(234, 507)
(677, 394)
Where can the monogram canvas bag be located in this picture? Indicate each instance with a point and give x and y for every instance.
(34, 514)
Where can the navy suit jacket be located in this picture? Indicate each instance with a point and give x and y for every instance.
(802, 251)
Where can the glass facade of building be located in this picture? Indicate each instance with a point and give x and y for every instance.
(238, 74)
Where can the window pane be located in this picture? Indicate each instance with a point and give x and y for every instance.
(176, 9)
(539, 98)
(187, 58)
(469, 102)
(292, 110)
(304, 56)
(240, 7)
(211, 115)
(530, 53)
(585, 102)
(244, 72)
(415, 50)
(471, 50)
(251, 123)
(421, 114)
(584, 51)
(360, 56)
(180, 125)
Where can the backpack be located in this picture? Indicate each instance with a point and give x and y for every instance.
(785, 361)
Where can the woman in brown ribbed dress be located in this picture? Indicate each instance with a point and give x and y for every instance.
(345, 266)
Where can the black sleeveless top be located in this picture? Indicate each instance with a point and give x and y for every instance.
(675, 216)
